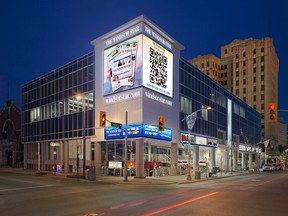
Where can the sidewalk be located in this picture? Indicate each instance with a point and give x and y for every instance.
(179, 179)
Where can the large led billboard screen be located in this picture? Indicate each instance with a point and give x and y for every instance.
(138, 61)
(157, 67)
(123, 66)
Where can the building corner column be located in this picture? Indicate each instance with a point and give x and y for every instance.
(212, 159)
(195, 161)
(140, 158)
(174, 158)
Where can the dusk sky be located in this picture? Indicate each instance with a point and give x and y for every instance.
(38, 36)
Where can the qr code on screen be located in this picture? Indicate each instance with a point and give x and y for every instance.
(158, 68)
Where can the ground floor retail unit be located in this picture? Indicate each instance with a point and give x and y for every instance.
(142, 155)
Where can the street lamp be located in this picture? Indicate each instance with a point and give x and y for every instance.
(190, 120)
(81, 97)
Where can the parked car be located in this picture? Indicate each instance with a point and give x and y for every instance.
(268, 167)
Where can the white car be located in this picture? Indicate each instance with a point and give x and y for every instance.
(268, 167)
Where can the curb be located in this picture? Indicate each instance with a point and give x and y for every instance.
(108, 180)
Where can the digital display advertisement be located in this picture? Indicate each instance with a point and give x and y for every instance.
(138, 130)
(157, 67)
(123, 66)
(138, 61)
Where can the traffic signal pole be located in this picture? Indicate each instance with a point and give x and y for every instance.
(126, 153)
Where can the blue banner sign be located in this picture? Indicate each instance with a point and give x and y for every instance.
(138, 130)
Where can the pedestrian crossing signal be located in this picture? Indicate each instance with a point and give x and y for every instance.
(102, 119)
(161, 123)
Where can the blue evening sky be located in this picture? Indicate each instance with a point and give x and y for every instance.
(38, 36)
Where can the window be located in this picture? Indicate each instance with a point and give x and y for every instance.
(244, 63)
(237, 82)
(242, 112)
(221, 100)
(244, 90)
(225, 51)
(237, 56)
(254, 88)
(237, 91)
(254, 70)
(262, 77)
(204, 113)
(254, 60)
(236, 108)
(254, 51)
(254, 98)
(237, 73)
(262, 68)
(262, 58)
(262, 88)
(212, 95)
(262, 49)
(262, 97)
(244, 81)
(186, 105)
(244, 54)
(237, 64)
(244, 72)
(254, 79)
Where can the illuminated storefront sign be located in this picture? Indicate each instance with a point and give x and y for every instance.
(138, 130)
(246, 148)
(115, 164)
(138, 61)
(196, 140)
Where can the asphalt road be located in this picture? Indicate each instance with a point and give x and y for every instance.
(248, 195)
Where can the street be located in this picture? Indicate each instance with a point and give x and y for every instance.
(252, 194)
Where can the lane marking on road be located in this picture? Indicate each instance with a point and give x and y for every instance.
(147, 199)
(24, 188)
(138, 202)
(181, 204)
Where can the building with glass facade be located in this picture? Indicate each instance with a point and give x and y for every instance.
(135, 76)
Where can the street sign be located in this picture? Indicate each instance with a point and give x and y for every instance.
(116, 124)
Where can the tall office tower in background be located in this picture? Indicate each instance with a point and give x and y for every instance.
(249, 69)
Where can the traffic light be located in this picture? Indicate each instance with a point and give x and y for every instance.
(102, 119)
(161, 123)
(272, 112)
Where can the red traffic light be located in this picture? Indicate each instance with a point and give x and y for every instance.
(272, 112)
(272, 106)
(161, 123)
